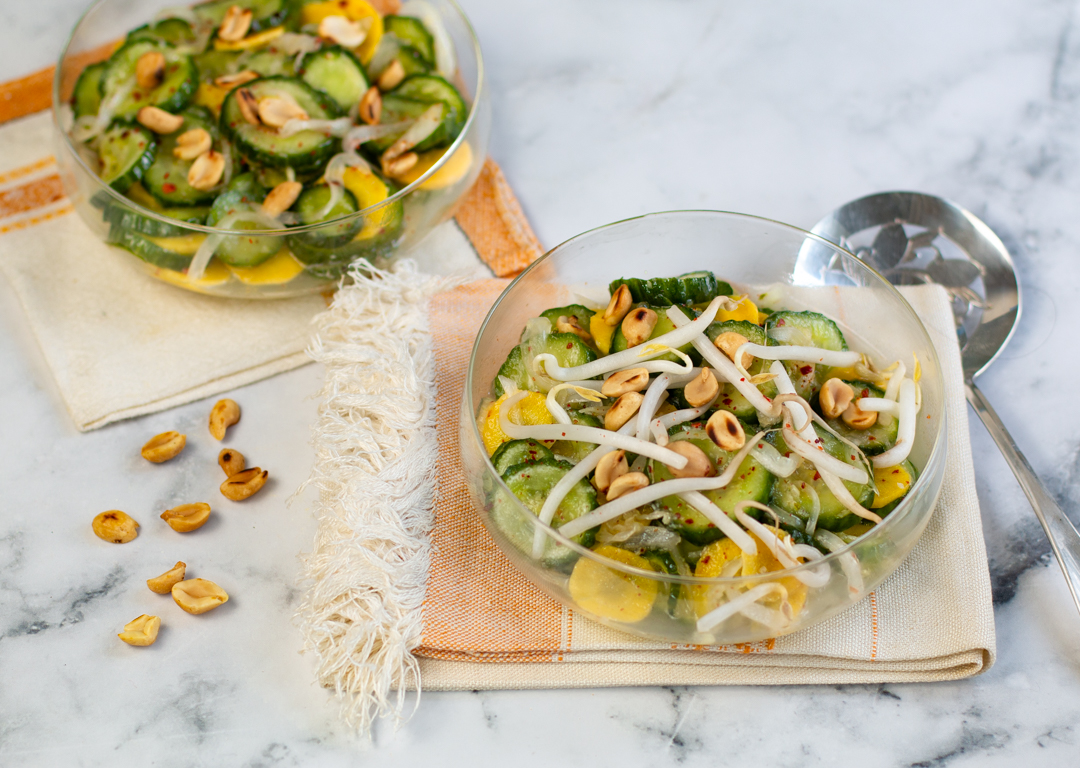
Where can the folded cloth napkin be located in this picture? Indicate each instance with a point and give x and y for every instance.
(405, 586)
(120, 344)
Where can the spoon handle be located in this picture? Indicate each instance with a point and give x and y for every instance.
(1064, 539)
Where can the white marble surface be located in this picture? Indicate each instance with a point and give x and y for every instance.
(602, 110)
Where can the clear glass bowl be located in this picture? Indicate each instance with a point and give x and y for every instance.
(752, 253)
(426, 202)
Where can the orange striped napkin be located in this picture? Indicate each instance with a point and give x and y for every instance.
(122, 345)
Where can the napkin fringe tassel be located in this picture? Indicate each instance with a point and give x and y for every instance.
(375, 471)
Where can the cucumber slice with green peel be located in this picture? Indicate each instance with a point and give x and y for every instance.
(147, 250)
(243, 193)
(122, 217)
(414, 34)
(516, 452)
(265, 14)
(86, 98)
(806, 329)
(309, 206)
(568, 350)
(432, 89)
(271, 63)
(663, 325)
(173, 94)
(395, 109)
(578, 312)
(167, 179)
(878, 438)
(337, 73)
(576, 450)
(303, 151)
(691, 288)
(126, 151)
(213, 64)
(174, 31)
(789, 493)
(753, 483)
(532, 483)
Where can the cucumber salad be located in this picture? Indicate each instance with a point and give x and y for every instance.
(269, 115)
(688, 431)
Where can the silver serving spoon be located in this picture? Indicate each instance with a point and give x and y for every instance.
(916, 238)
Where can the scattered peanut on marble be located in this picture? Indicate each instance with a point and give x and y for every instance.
(187, 517)
(197, 596)
(164, 583)
(223, 415)
(115, 526)
(142, 631)
(244, 484)
(163, 447)
(232, 462)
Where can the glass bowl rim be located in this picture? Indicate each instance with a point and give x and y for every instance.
(401, 194)
(902, 510)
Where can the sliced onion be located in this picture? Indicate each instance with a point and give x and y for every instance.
(731, 607)
(849, 563)
(425, 125)
(94, 126)
(799, 354)
(182, 12)
(208, 246)
(905, 432)
(767, 456)
(633, 357)
(791, 335)
(815, 510)
(445, 59)
(361, 134)
(296, 42)
(720, 519)
(337, 127)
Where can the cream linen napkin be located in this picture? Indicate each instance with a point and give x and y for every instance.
(118, 343)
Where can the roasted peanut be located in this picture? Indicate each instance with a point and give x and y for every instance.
(391, 77)
(223, 415)
(115, 526)
(231, 81)
(276, 111)
(618, 306)
(235, 25)
(856, 418)
(281, 198)
(697, 463)
(163, 447)
(231, 461)
(343, 31)
(726, 431)
(158, 120)
(570, 324)
(621, 382)
(187, 517)
(150, 70)
(206, 171)
(611, 467)
(638, 325)
(164, 583)
(729, 343)
(197, 596)
(191, 144)
(622, 410)
(248, 105)
(244, 484)
(628, 483)
(396, 166)
(141, 632)
(701, 390)
(836, 395)
(370, 109)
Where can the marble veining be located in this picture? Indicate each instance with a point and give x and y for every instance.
(603, 110)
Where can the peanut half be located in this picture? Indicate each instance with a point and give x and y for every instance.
(248, 105)
(628, 483)
(231, 461)
(618, 306)
(163, 447)
(191, 144)
(396, 166)
(223, 415)
(164, 583)
(150, 70)
(343, 31)
(836, 395)
(231, 81)
(697, 463)
(370, 108)
(622, 410)
(115, 526)
(159, 121)
(702, 390)
(281, 198)
(235, 25)
(729, 343)
(724, 429)
(244, 484)
(197, 596)
(621, 382)
(206, 171)
(275, 111)
(638, 326)
(612, 466)
(187, 517)
(141, 632)
(391, 77)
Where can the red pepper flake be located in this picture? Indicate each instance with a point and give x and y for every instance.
(712, 525)
(706, 559)
(780, 322)
(742, 379)
(727, 401)
(866, 393)
(806, 370)
(168, 189)
(817, 475)
(689, 521)
(569, 345)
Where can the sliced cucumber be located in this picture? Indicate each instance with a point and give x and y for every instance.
(395, 109)
(337, 73)
(213, 63)
(310, 205)
(265, 14)
(532, 483)
(575, 450)
(880, 437)
(805, 328)
(578, 312)
(567, 349)
(302, 151)
(730, 398)
(243, 194)
(270, 63)
(173, 94)
(126, 151)
(753, 482)
(519, 452)
(86, 99)
(663, 325)
(147, 250)
(691, 288)
(788, 492)
(122, 217)
(175, 31)
(167, 179)
(432, 89)
(414, 34)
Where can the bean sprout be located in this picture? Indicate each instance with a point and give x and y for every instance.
(905, 433)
